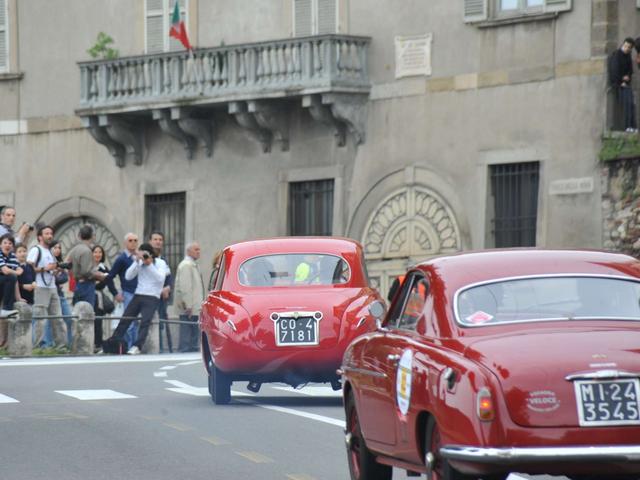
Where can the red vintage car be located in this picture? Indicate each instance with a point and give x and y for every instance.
(284, 310)
(501, 361)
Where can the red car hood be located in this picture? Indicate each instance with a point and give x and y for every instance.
(532, 366)
(333, 303)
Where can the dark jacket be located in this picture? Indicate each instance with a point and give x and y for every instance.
(118, 270)
(619, 65)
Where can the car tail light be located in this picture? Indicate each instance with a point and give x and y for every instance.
(485, 410)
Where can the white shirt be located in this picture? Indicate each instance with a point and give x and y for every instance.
(44, 279)
(150, 277)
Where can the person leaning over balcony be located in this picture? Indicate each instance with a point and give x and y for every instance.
(620, 72)
(151, 273)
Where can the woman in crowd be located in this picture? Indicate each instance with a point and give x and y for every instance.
(104, 305)
(62, 277)
(27, 280)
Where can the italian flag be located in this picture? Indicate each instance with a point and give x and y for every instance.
(178, 29)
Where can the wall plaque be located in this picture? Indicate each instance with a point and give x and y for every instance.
(413, 55)
(571, 186)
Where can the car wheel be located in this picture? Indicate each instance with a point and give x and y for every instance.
(219, 386)
(442, 470)
(362, 463)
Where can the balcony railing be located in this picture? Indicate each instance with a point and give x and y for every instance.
(284, 68)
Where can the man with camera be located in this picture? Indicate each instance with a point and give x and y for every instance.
(151, 273)
(46, 300)
(7, 220)
(83, 267)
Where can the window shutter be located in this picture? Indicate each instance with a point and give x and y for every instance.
(4, 46)
(154, 26)
(475, 10)
(557, 5)
(327, 16)
(302, 14)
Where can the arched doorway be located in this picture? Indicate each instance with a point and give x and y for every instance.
(67, 233)
(409, 225)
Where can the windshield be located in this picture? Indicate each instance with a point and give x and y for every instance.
(294, 270)
(548, 298)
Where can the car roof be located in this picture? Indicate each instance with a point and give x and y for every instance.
(270, 246)
(464, 268)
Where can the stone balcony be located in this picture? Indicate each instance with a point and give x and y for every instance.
(255, 83)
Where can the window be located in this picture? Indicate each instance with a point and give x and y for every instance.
(158, 22)
(409, 306)
(315, 17)
(294, 269)
(496, 10)
(514, 191)
(311, 207)
(166, 213)
(4, 36)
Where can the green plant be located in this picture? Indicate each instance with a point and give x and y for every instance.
(4, 352)
(101, 48)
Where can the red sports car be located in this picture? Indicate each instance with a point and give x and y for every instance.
(284, 310)
(501, 361)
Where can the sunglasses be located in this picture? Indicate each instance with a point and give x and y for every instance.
(132, 240)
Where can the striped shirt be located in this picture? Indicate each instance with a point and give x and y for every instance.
(9, 260)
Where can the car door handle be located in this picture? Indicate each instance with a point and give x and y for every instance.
(393, 358)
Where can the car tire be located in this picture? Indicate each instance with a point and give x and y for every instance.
(362, 463)
(442, 470)
(219, 386)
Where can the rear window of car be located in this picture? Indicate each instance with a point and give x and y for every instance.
(294, 269)
(548, 298)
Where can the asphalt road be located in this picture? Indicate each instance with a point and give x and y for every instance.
(150, 417)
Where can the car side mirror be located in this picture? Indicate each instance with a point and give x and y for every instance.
(376, 309)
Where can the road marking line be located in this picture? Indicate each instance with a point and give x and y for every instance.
(159, 374)
(300, 476)
(6, 399)
(95, 394)
(255, 457)
(51, 416)
(150, 418)
(300, 413)
(216, 441)
(164, 357)
(179, 427)
(168, 367)
(312, 391)
(190, 363)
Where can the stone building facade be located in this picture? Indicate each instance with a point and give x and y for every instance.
(418, 128)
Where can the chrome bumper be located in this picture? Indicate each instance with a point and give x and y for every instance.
(518, 455)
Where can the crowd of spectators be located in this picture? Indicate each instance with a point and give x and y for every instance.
(36, 271)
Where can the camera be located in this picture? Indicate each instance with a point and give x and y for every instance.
(31, 227)
(65, 265)
(146, 256)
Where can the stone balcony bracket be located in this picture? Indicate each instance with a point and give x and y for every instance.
(178, 123)
(248, 121)
(340, 112)
(121, 137)
(254, 82)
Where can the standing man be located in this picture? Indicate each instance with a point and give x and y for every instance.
(46, 301)
(188, 297)
(127, 287)
(620, 72)
(7, 220)
(156, 239)
(84, 268)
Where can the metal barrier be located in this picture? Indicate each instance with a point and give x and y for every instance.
(19, 341)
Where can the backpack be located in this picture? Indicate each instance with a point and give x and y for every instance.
(115, 346)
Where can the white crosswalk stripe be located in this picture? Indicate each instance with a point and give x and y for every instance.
(95, 394)
(7, 399)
